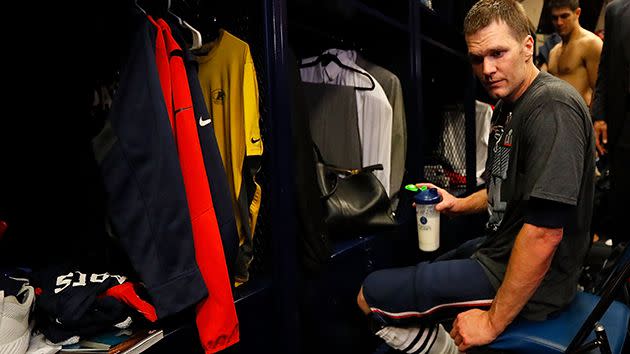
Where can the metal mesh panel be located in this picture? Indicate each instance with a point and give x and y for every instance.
(446, 167)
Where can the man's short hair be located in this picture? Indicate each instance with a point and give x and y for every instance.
(557, 4)
(485, 12)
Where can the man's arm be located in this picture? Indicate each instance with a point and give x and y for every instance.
(472, 204)
(531, 257)
(452, 206)
(592, 55)
(601, 135)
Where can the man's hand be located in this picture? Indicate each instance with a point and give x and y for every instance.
(601, 135)
(531, 257)
(452, 205)
(447, 204)
(473, 328)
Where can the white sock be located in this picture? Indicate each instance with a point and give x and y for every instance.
(419, 340)
(444, 344)
(408, 339)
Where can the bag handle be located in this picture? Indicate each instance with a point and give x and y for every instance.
(318, 154)
(321, 164)
(347, 171)
(336, 172)
(354, 171)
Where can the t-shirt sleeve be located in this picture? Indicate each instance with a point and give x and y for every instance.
(253, 139)
(547, 213)
(555, 144)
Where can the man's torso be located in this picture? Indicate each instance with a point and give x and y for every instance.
(567, 61)
(541, 151)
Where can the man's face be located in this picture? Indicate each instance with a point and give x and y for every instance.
(499, 60)
(564, 19)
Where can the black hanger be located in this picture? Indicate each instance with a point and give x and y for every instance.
(326, 58)
(211, 27)
(203, 15)
(155, 8)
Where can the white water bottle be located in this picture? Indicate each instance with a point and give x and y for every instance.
(428, 219)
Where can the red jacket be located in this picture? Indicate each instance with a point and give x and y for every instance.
(216, 315)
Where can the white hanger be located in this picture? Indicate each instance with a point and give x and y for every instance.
(140, 7)
(197, 41)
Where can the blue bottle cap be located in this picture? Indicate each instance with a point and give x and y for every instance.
(427, 196)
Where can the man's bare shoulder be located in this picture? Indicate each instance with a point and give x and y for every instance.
(589, 40)
(590, 46)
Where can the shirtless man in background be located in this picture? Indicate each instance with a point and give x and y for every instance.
(576, 58)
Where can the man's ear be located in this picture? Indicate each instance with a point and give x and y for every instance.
(578, 11)
(528, 45)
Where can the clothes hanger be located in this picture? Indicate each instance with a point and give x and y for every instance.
(325, 59)
(214, 27)
(140, 7)
(210, 26)
(204, 16)
(153, 8)
(196, 35)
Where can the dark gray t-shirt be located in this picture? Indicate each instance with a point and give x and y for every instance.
(542, 146)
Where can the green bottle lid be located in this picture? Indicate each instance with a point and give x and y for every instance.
(411, 188)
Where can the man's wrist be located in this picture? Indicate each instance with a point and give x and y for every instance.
(471, 204)
(464, 206)
(458, 206)
(497, 324)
